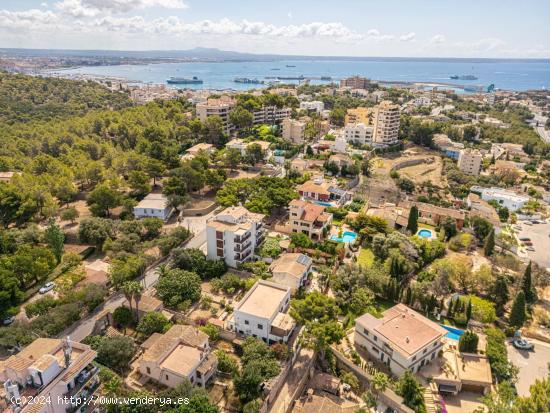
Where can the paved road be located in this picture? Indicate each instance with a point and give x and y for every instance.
(539, 235)
(532, 364)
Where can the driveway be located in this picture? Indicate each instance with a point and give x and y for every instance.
(532, 364)
(539, 235)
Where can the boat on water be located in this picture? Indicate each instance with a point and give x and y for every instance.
(248, 81)
(326, 77)
(463, 77)
(301, 77)
(183, 80)
(275, 68)
(290, 66)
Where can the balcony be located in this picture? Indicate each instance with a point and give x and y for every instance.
(240, 240)
(240, 248)
(85, 377)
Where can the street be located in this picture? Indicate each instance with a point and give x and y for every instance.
(532, 364)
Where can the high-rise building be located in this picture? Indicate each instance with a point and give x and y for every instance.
(221, 107)
(356, 82)
(233, 235)
(386, 124)
(293, 130)
(469, 161)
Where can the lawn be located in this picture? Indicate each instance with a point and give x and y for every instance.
(366, 257)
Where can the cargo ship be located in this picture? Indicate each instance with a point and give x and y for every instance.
(184, 81)
(463, 77)
(248, 81)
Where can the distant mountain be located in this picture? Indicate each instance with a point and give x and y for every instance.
(213, 54)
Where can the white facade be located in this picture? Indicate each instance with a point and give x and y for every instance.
(153, 206)
(386, 124)
(505, 198)
(402, 339)
(233, 235)
(271, 114)
(358, 133)
(293, 130)
(314, 105)
(262, 313)
(469, 161)
(291, 270)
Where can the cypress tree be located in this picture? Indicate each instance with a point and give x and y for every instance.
(500, 294)
(518, 315)
(489, 246)
(527, 285)
(408, 296)
(469, 311)
(412, 223)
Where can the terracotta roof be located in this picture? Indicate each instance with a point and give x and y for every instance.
(311, 186)
(187, 335)
(32, 353)
(311, 212)
(403, 328)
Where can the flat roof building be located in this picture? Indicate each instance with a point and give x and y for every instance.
(153, 206)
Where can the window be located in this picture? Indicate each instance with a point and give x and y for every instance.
(375, 349)
(260, 327)
(148, 370)
(246, 322)
(424, 352)
(375, 338)
(365, 331)
(414, 358)
(167, 378)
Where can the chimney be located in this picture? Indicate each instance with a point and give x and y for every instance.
(407, 339)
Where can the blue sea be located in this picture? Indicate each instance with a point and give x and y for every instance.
(504, 74)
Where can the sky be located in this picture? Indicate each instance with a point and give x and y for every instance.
(400, 28)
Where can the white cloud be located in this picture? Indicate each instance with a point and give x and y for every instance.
(34, 18)
(438, 38)
(376, 35)
(409, 37)
(91, 8)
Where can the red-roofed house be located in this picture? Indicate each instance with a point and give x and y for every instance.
(310, 219)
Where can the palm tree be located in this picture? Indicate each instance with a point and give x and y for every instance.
(380, 382)
(162, 270)
(132, 290)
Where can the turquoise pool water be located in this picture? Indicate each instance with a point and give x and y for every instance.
(425, 233)
(323, 203)
(453, 333)
(348, 236)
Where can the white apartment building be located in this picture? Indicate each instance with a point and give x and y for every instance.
(221, 107)
(233, 235)
(271, 115)
(505, 198)
(291, 270)
(153, 206)
(49, 369)
(386, 124)
(314, 105)
(402, 339)
(469, 161)
(262, 313)
(358, 133)
(293, 130)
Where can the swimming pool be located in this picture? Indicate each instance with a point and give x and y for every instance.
(453, 333)
(323, 203)
(425, 233)
(347, 237)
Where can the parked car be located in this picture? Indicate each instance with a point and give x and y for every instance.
(528, 223)
(47, 287)
(522, 344)
(525, 239)
(530, 249)
(8, 320)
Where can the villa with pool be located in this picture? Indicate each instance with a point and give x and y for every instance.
(310, 219)
(403, 339)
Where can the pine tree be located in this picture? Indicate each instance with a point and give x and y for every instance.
(489, 246)
(55, 238)
(518, 315)
(527, 285)
(412, 224)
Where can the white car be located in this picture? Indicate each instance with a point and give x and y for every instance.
(530, 249)
(8, 320)
(522, 344)
(47, 287)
